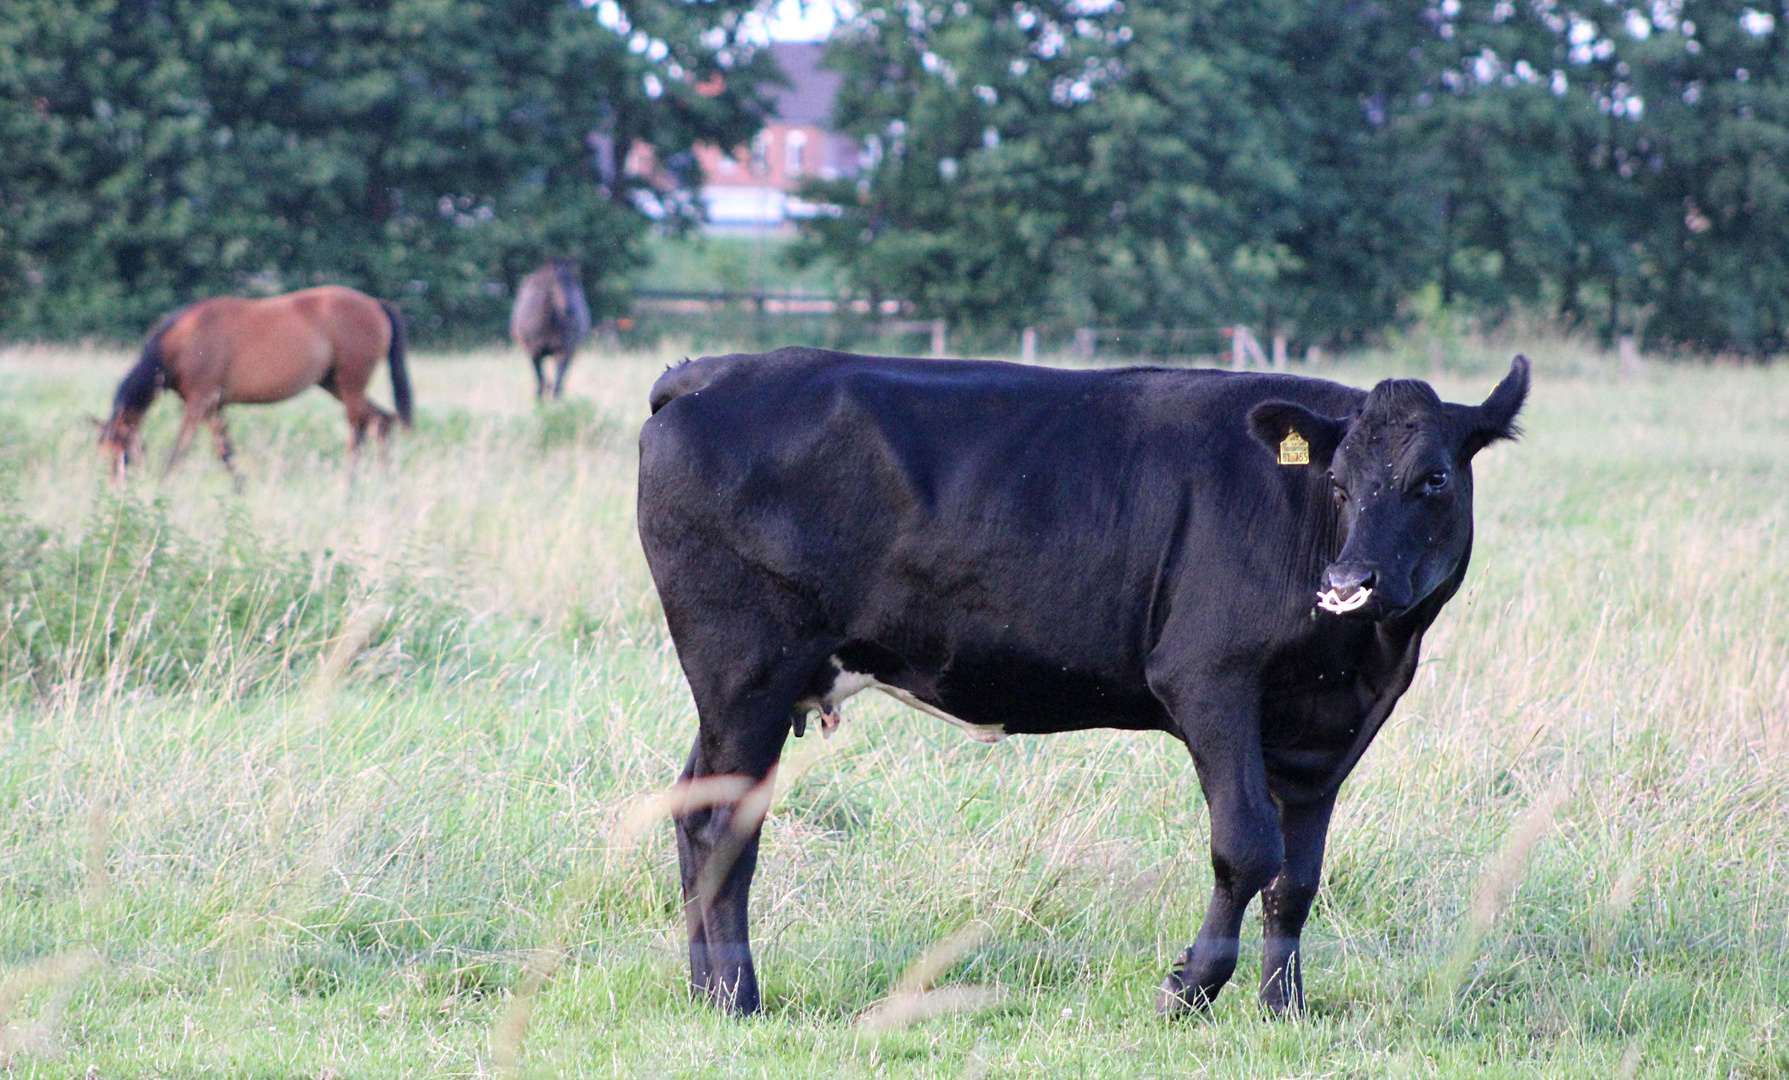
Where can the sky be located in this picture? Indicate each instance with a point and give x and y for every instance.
(794, 20)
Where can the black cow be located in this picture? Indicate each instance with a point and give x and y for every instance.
(1247, 562)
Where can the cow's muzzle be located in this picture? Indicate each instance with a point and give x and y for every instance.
(1350, 588)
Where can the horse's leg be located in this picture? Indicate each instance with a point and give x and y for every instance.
(381, 421)
(559, 380)
(189, 425)
(220, 437)
(540, 376)
(360, 412)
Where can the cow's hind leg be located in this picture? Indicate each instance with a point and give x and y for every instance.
(717, 855)
(744, 722)
(1286, 904)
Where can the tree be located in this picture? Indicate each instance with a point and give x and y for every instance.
(1313, 165)
(1165, 164)
(163, 150)
(1622, 165)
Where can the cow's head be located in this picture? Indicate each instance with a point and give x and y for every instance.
(1400, 469)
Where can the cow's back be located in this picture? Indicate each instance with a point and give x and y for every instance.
(963, 439)
(969, 517)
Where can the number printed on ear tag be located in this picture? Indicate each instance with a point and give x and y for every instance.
(1294, 450)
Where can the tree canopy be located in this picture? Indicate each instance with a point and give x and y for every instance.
(1305, 166)
(430, 151)
(1313, 165)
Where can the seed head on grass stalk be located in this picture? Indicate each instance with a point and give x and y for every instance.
(1616, 905)
(59, 974)
(750, 800)
(270, 905)
(1496, 886)
(99, 881)
(915, 996)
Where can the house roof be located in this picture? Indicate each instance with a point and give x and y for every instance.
(807, 100)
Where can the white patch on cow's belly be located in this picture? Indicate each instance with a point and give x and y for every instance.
(848, 684)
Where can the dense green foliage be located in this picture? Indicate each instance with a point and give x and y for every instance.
(1313, 165)
(1305, 166)
(161, 150)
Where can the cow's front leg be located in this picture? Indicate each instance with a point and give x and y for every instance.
(1246, 848)
(1286, 904)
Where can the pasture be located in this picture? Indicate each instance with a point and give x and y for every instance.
(346, 778)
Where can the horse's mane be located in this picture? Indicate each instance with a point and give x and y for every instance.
(147, 377)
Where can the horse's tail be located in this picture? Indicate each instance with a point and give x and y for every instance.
(400, 375)
(148, 376)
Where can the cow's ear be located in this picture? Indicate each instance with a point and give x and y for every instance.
(1496, 418)
(1275, 423)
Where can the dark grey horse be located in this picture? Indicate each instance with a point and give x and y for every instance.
(550, 318)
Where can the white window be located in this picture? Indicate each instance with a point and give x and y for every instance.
(793, 145)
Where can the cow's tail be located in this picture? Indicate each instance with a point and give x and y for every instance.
(680, 380)
(693, 375)
(400, 375)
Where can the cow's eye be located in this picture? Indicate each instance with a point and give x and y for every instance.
(1434, 482)
(1337, 490)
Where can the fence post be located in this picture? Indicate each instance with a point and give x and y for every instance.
(1629, 350)
(938, 338)
(1243, 347)
(1028, 344)
(1086, 340)
(1279, 352)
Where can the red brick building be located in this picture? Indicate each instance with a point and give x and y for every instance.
(754, 187)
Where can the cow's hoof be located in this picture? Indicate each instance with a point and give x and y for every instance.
(1174, 1000)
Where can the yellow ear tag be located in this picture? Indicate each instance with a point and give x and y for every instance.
(1294, 450)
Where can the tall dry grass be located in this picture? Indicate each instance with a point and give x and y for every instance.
(1562, 857)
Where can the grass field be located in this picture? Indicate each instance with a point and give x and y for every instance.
(339, 778)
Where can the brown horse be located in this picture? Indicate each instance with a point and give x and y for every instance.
(228, 351)
(550, 318)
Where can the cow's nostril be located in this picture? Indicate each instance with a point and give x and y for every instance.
(1347, 580)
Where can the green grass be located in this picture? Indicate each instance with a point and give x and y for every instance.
(340, 852)
(701, 263)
